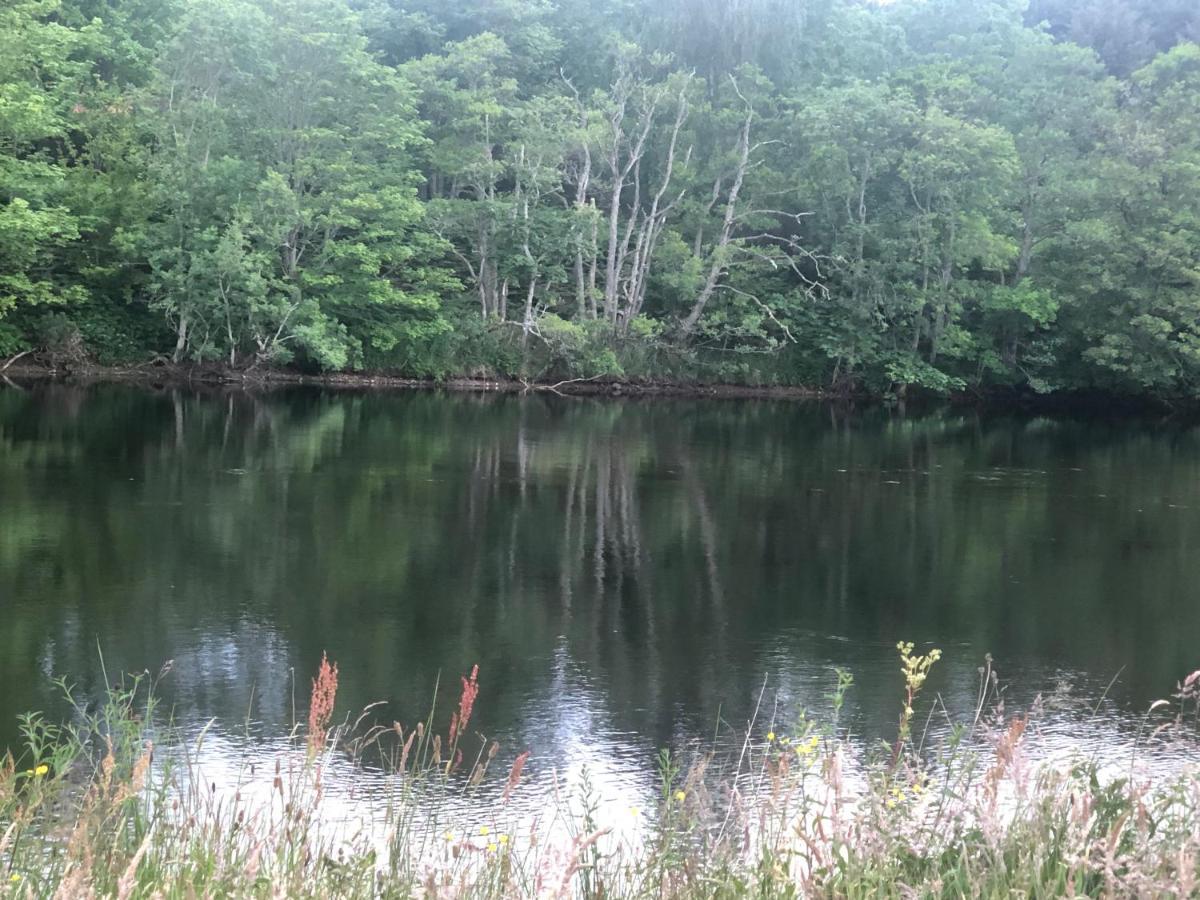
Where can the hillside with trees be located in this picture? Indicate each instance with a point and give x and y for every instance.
(942, 194)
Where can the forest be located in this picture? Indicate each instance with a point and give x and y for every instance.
(853, 196)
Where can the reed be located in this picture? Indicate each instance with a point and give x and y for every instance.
(114, 803)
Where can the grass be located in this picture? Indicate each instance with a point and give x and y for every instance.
(114, 804)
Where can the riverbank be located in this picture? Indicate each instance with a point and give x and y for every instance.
(164, 374)
(113, 804)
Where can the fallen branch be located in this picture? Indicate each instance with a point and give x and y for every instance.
(4, 368)
(554, 387)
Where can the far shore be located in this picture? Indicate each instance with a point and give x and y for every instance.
(163, 374)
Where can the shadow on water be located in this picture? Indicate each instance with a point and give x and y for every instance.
(625, 573)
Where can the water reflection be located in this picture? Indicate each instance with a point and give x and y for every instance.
(625, 573)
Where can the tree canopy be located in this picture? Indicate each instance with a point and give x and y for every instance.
(950, 194)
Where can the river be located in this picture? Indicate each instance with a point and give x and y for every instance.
(627, 574)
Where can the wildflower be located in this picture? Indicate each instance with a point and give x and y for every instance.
(503, 839)
(804, 749)
(680, 796)
(770, 736)
(14, 878)
(514, 775)
(484, 830)
(41, 770)
(320, 709)
(915, 670)
(785, 741)
(449, 836)
(491, 848)
(466, 703)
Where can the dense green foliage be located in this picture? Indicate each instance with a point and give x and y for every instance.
(943, 193)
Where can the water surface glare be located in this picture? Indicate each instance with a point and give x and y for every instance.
(625, 573)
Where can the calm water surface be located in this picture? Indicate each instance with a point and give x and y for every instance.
(626, 574)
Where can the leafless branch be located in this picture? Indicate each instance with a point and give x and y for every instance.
(770, 313)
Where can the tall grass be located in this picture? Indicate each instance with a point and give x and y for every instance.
(114, 803)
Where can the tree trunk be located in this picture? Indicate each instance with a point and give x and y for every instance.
(717, 268)
(181, 334)
(1025, 257)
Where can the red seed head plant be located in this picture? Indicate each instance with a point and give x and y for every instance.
(514, 774)
(320, 707)
(466, 703)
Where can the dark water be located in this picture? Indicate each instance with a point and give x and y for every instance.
(625, 573)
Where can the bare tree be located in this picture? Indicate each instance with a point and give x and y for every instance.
(777, 248)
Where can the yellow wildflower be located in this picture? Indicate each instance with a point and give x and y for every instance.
(680, 796)
(491, 848)
(449, 836)
(770, 735)
(484, 830)
(41, 770)
(14, 878)
(809, 747)
(504, 839)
